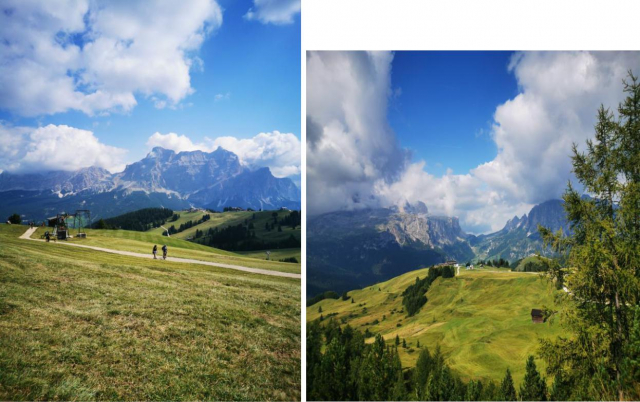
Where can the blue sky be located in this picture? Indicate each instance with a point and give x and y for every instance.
(443, 110)
(243, 76)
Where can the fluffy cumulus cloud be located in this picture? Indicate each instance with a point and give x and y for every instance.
(278, 12)
(353, 158)
(280, 152)
(27, 149)
(97, 56)
(351, 148)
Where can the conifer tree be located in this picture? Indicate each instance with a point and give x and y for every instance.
(603, 253)
(534, 387)
(507, 390)
(397, 340)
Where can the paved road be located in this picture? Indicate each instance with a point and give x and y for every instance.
(27, 236)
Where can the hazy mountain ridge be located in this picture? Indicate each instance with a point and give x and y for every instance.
(163, 178)
(348, 249)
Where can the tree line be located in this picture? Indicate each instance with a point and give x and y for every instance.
(140, 220)
(341, 366)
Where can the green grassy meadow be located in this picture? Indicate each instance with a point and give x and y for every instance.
(77, 324)
(480, 319)
(275, 254)
(142, 242)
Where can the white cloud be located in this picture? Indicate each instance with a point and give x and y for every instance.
(278, 12)
(96, 56)
(353, 159)
(27, 149)
(281, 152)
(557, 105)
(351, 148)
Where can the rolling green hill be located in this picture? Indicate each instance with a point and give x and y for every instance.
(224, 219)
(77, 324)
(258, 220)
(480, 318)
(142, 242)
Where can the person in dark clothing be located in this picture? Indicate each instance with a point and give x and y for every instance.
(47, 236)
(155, 251)
(164, 252)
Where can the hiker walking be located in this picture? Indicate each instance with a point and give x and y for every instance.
(47, 236)
(164, 252)
(155, 251)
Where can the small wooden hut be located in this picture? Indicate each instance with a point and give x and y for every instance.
(537, 317)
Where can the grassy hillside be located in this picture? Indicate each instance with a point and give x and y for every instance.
(79, 324)
(184, 218)
(225, 219)
(481, 319)
(142, 242)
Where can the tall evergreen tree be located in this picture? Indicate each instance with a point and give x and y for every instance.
(603, 253)
(534, 387)
(507, 390)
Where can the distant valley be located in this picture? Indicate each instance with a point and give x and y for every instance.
(352, 249)
(164, 178)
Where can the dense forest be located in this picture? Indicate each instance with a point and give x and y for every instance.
(241, 237)
(342, 367)
(140, 220)
(415, 296)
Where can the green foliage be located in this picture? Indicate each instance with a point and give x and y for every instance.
(603, 257)
(140, 220)
(507, 389)
(15, 219)
(534, 387)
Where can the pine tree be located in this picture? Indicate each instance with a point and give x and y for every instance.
(603, 252)
(418, 344)
(534, 387)
(404, 343)
(507, 390)
(319, 309)
(397, 340)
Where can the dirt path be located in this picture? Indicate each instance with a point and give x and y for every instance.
(27, 236)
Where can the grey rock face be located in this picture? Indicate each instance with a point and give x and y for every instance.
(204, 179)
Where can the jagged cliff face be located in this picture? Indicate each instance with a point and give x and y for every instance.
(432, 231)
(87, 179)
(520, 237)
(163, 178)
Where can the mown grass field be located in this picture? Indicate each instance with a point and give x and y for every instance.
(142, 242)
(76, 324)
(480, 319)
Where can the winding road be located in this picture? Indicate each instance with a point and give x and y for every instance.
(27, 236)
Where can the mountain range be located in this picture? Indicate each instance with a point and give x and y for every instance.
(164, 178)
(352, 249)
